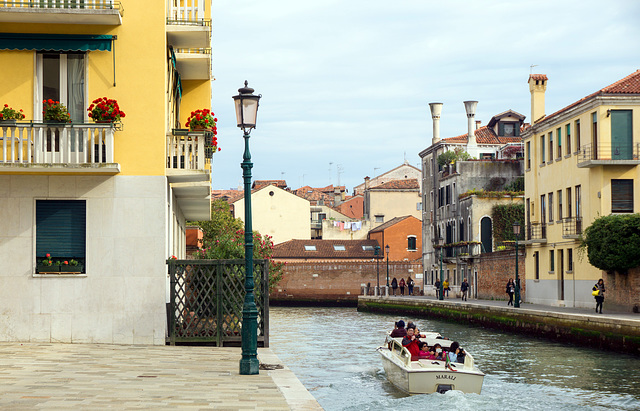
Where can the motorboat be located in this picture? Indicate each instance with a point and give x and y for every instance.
(424, 376)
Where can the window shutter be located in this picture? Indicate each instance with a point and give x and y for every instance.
(61, 228)
(622, 196)
(501, 129)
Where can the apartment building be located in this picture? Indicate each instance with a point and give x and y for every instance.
(112, 197)
(582, 162)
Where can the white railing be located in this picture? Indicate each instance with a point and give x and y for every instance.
(186, 151)
(36, 143)
(185, 10)
(59, 4)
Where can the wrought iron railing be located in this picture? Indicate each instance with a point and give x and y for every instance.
(206, 301)
(189, 150)
(608, 151)
(60, 143)
(572, 226)
(536, 231)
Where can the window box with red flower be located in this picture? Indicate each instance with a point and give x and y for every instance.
(55, 112)
(202, 120)
(105, 110)
(10, 116)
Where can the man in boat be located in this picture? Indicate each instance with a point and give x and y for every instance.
(410, 342)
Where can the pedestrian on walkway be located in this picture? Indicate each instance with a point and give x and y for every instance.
(445, 287)
(410, 285)
(464, 287)
(394, 285)
(599, 287)
(437, 287)
(402, 284)
(511, 288)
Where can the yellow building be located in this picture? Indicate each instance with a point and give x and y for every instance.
(113, 197)
(581, 163)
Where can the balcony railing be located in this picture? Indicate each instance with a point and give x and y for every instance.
(189, 151)
(108, 12)
(591, 155)
(536, 232)
(571, 227)
(186, 12)
(26, 146)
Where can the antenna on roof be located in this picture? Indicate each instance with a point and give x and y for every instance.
(374, 171)
(330, 164)
(531, 68)
(340, 171)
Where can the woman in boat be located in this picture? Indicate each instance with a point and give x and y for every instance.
(399, 330)
(424, 351)
(511, 288)
(438, 352)
(456, 354)
(394, 285)
(600, 296)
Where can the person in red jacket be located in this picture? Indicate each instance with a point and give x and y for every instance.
(410, 342)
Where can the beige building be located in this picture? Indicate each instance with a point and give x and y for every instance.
(393, 199)
(277, 213)
(581, 164)
(402, 172)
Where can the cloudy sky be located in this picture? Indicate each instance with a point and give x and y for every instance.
(346, 84)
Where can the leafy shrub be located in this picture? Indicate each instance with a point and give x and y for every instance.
(613, 242)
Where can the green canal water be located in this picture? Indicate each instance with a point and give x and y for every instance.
(332, 351)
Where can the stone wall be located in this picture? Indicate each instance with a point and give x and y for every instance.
(495, 269)
(622, 291)
(336, 281)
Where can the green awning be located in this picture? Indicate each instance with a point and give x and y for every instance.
(55, 42)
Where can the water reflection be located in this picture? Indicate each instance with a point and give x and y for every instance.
(332, 351)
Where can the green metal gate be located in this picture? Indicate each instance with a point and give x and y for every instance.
(206, 299)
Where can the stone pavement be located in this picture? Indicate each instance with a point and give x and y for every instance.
(99, 376)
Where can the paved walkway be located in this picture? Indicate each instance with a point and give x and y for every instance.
(97, 377)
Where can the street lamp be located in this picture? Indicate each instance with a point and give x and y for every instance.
(386, 249)
(516, 232)
(441, 243)
(246, 112)
(376, 252)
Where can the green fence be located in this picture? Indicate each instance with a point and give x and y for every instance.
(206, 299)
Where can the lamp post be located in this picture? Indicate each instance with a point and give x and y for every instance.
(376, 252)
(516, 232)
(246, 112)
(441, 243)
(386, 249)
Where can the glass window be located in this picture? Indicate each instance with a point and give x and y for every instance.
(552, 261)
(622, 196)
(570, 259)
(543, 210)
(542, 148)
(559, 200)
(577, 127)
(61, 230)
(568, 138)
(379, 219)
(569, 205)
(550, 147)
(411, 243)
(578, 201)
(551, 207)
(528, 154)
(339, 248)
(536, 264)
(309, 248)
(559, 140)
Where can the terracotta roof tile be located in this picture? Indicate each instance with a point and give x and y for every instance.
(324, 249)
(538, 76)
(263, 183)
(389, 223)
(484, 135)
(628, 85)
(407, 184)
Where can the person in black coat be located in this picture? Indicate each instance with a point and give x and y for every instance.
(511, 288)
(394, 285)
(600, 297)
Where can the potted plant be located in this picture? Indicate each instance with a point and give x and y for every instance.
(46, 265)
(70, 266)
(202, 120)
(55, 112)
(9, 115)
(105, 110)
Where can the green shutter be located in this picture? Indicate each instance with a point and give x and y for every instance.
(61, 228)
(621, 135)
(501, 129)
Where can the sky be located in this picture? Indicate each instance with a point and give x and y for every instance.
(346, 84)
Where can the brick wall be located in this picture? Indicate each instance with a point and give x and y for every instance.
(495, 269)
(623, 290)
(336, 281)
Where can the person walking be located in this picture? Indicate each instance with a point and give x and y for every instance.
(599, 287)
(437, 287)
(394, 285)
(410, 285)
(402, 284)
(511, 288)
(445, 287)
(464, 287)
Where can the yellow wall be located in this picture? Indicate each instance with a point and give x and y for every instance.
(393, 204)
(16, 85)
(196, 95)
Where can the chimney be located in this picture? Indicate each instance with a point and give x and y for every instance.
(366, 183)
(478, 124)
(470, 107)
(337, 197)
(436, 109)
(537, 87)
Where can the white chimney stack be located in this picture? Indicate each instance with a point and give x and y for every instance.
(470, 107)
(436, 109)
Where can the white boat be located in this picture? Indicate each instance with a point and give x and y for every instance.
(428, 376)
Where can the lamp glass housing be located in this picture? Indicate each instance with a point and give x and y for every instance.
(387, 248)
(246, 104)
(516, 228)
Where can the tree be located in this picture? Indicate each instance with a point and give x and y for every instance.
(224, 239)
(613, 242)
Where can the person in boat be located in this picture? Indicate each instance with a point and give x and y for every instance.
(394, 285)
(424, 351)
(410, 342)
(456, 354)
(438, 352)
(416, 331)
(399, 330)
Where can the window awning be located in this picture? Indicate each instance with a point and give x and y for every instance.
(55, 42)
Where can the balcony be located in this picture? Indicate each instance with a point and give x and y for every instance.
(316, 224)
(571, 227)
(536, 233)
(194, 64)
(57, 148)
(189, 156)
(102, 12)
(607, 154)
(187, 26)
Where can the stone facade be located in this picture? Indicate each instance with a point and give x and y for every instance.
(622, 291)
(494, 271)
(334, 281)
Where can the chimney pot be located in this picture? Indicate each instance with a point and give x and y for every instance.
(470, 107)
(436, 110)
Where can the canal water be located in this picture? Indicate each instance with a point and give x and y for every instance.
(332, 351)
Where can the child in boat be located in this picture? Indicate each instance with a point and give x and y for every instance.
(424, 351)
